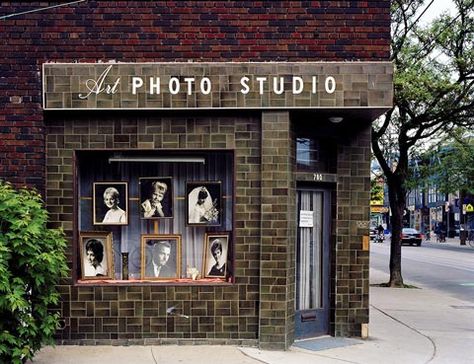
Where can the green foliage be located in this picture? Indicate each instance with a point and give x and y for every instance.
(433, 95)
(451, 166)
(376, 191)
(32, 260)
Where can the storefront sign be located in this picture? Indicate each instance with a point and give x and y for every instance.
(217, 85)
(306, 218)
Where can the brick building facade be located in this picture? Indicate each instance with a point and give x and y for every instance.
(49, 144)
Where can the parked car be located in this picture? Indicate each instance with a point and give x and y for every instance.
(411, 236)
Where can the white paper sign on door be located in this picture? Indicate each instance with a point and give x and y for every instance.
(306, 218)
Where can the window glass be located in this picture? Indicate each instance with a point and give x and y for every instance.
(173, 207)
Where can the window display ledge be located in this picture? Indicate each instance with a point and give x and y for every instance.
(143, 282)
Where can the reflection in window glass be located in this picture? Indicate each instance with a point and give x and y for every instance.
(315, 154)
(306, 151)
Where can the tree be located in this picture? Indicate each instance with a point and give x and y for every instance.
(32, 261)
(451, 166)
(434, 92)
(376, 191)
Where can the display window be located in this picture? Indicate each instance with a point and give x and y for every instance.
(160, 217)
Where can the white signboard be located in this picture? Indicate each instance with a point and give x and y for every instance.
(306, 218)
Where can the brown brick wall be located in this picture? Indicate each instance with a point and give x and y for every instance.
(219, 314)
(152, 31)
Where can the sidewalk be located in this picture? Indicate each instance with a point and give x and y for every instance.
(406, 326)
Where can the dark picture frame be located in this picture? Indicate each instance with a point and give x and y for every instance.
(204, 203)
(151, 207)
(154, 248)
(110, 203)
(216, 248)
(97, 255)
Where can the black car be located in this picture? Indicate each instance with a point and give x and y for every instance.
(411, 236)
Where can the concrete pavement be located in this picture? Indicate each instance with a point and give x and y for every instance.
(406, 326)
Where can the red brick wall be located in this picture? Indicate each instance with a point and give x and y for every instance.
(138, 31)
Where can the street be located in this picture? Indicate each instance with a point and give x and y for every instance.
(446, 267)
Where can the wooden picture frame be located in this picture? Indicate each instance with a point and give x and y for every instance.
(110, 203)
(203, 203)
(214, 264)
(156, 197)
(161, 256)
(97, 255)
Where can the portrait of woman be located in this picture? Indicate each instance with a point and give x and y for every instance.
(215, 255)
(110, 203)
(96, 255)
(203, 203)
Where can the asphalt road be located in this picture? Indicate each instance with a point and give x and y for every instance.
(446, 267)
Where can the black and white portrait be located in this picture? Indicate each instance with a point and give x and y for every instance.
(110, 203)
(215, 255)
(96, 255)
(203, 203)
(161, 256)
(156, 197)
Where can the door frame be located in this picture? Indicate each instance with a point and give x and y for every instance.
(303, 318)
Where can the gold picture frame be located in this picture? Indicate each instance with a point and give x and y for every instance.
(161, 256)
(216, 248)
(97, 255)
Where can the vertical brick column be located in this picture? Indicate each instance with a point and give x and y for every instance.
(277, 282)
(353, 211)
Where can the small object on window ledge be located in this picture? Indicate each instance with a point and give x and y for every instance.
(193, 273)
(125, 265)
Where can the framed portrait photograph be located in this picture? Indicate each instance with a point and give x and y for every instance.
(156, 197)
(203, 203)
(110, 203)
(97, 257)
(214, 263)
(161, 256)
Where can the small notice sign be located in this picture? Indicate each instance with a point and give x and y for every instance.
(306, 218)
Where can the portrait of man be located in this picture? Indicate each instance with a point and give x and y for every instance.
(110, 203)
(96, 255)
(215, 255)
(203, 203)
(156, 197)
(161, 256)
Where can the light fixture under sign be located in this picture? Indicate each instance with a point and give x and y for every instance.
(150, 159)
(336, 119)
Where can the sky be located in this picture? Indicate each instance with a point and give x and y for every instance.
(437, 8)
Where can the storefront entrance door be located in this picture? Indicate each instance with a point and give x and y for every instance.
(312, 263)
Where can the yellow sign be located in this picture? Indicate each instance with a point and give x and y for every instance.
(469, 208)
(378, 209)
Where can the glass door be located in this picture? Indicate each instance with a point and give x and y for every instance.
(312, 263)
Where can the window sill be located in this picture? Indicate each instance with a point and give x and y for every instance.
(161, 282)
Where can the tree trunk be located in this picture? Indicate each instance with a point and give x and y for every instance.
(397, 205)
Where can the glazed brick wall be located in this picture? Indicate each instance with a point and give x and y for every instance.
(350, 262)
(139, 31)
(278, 233)
(137, 314)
